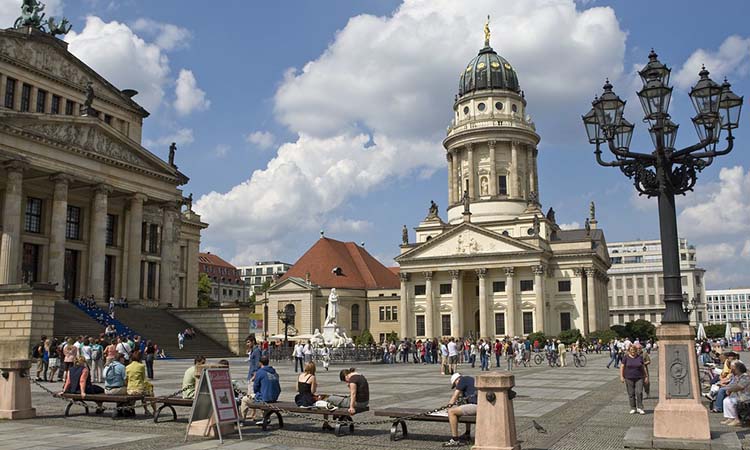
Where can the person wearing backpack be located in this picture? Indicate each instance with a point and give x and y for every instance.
(97, 361)
(38, 353)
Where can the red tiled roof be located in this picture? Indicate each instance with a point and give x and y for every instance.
(209, 259)
(359, 269)
(396, 270)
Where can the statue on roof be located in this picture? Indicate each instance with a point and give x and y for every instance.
(551, 215)
(404, 235)
(587, 226)
(58, 28)
(487, 32)
(533, 198)
(433, 211)
(88, 109)
(536, 225)
(33, 17)
(172, 151)
(592, 211)
(189, 202)
(467, 202)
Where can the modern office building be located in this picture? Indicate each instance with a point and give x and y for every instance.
(636, 282)
(255, 275)
(729, 305)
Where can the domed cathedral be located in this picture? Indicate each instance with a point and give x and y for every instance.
(498, 266)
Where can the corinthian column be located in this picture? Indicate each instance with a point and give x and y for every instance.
(534, 171)
(98, 240)
(483, 310)
(429, 310)
(10, 242)
(472, 170)
(455, 304)
(493, 169)
(457, 181)
(510, 293)
(592, 296)
(514, 190)
(449, 158)
(166, 273)
(539, 309)
(404, 306)
(57, 230)
(134, 247)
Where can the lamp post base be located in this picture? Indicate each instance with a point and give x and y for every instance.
(679, 413)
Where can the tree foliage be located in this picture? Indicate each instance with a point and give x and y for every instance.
(392, 337)
(641, 329)
(715, 331)
(365, 338)
(603, 336)
(570, 336)
(537, 336)
(204, 291)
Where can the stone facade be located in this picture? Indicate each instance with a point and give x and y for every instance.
(26, 313)
(85, 206)
(227, 326)
(498, 265)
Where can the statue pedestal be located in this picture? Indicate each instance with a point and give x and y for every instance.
(496, 422)
(329, 331)
(15, 390)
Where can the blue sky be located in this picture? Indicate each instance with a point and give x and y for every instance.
(296, 116)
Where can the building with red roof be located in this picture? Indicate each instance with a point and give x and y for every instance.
(227, 286)
(368, 290)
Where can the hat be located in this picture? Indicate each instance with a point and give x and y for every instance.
(455, 378)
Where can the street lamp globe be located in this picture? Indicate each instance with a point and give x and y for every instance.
(730, 106)
(608, 108)
(623, 134)
(593, 130)
(655, 70)
(668, 130)
(706, 94)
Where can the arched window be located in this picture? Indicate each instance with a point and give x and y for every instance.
(355, 317)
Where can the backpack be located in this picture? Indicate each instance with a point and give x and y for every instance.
(96, 353)
(36, 353)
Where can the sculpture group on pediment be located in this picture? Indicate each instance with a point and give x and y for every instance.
(32, 16)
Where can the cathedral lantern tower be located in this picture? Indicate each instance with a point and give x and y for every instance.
(492, 143)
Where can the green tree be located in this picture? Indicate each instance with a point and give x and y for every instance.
(392, 337)
(570, 336)
(620, 330)
(365, 338)
(603, 336)
(715, 331)
(537, 336)
(204, 291)
(641, 329)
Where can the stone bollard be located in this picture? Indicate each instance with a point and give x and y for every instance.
(496, 422)
(15, 390)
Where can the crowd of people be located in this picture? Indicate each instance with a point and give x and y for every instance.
(727, 381)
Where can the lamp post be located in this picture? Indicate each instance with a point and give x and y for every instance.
(664, 172)
(286, 316)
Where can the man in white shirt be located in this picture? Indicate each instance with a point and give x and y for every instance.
(299, 357)
(123, 349)
(444, 357)
(452, 355)
(307, 352)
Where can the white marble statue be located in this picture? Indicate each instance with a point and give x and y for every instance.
(340, 339)
(317, 339)
(333, 308)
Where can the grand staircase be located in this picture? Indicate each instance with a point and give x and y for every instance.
(161, 327)
(73, 322)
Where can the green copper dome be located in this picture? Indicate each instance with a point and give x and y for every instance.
(488, 70)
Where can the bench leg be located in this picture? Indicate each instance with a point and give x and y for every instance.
(279, 419)
(343, 421)
(67, 409)
(394, 430)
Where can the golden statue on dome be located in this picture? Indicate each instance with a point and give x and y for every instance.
(487, 32)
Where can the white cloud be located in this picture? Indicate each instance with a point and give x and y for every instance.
(746, 249)
(221, 150)
(123, 58)
(188, 96)
(10, 10)
(167, 36)
(733, 56)
(341, 225)
(722, 207)
(375, 104)
(262, 139)
(711, 253)
(570, 226)
(183, 136)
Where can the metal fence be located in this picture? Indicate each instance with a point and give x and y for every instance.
(336, 355)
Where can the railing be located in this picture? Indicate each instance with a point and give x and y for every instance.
(336, 355)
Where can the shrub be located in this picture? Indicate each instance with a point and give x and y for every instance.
(570, 336)
(537, 336)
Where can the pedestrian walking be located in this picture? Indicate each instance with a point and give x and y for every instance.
(633, 373)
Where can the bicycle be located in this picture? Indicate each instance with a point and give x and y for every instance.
(579, 359)
(538, 359)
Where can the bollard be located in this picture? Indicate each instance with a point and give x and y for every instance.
(15, 390)
(496, 422)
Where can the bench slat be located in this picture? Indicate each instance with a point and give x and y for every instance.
(174, 401)
(398, 413)
(104, 398)
(292, 407)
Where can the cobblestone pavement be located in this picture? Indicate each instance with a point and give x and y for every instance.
(581, 408)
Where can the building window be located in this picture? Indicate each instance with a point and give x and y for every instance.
(10, 92)
(563, 286)
(697, 280)
(639, 283)
(527, 285)
(619, 300)
(108, 119)
(55, 106)
(33, 215)
(73, 223)
(30, 263)
(630, 300)
(618, 283)
(500, 324)
(111, 230)
(445, 324)
(151, 281)
(684, 281)
(150, 238)
(420, 325)
(628, 283)
(41, 100)
(640, 299)
(650, 282)
(25, 97)
(565, 321)
(355, 317)
(502, 185)
(446, 289)
(653, 317)
(498, 286)
(621, 318)
(528, 322)
(651, 299)
(109, 276)
(419, 289)
(69, 107)
(388, 313)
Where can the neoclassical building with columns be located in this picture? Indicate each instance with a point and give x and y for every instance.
(497, 265)
(84, 205)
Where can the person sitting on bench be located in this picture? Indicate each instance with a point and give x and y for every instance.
(359, 391)
(266, 388)
(188, 379)
(463, 387)
(307, 384)
(115, 381)
(78, 381)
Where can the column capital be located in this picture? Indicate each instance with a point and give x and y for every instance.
(172, 206)
(61, 178)
(510, 271)
(139, 197)
(404, 276)
(449, 156)
(538, 269)
(590, 271)
(492, 143)
(455, 274)
(481, 273)
(427, 275)
(102, 188)
(469, 146)
(15, 165)
(578, 271)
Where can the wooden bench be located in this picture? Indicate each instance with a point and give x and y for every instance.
(169, 402)
(340, 416)
(401, 415)
(120, 400)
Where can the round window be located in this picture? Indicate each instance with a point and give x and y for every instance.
(499, 106)
(481, 106)
(466, 110)
(514, 108)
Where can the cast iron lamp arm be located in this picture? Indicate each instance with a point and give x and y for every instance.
(622, 152)
(713, 153)
(604, 163)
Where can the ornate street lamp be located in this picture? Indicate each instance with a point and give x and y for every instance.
(286, 316)
(664, 172)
